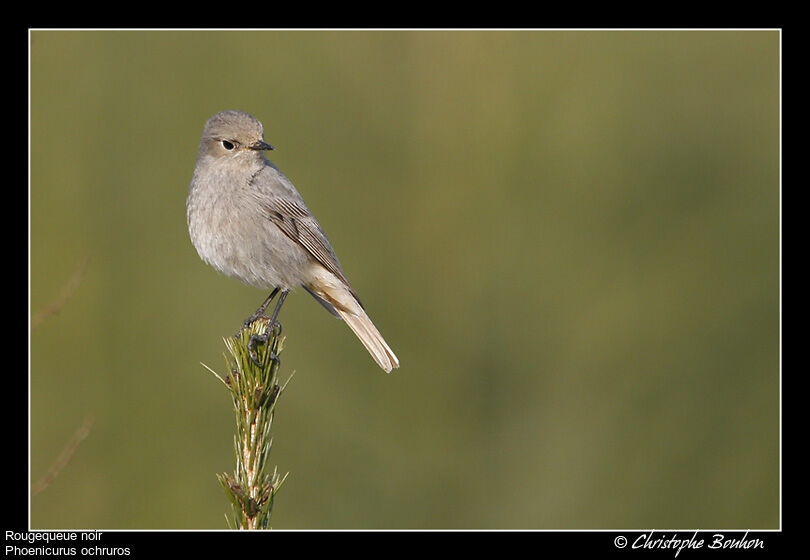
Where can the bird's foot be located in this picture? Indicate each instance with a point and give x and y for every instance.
(262, 339)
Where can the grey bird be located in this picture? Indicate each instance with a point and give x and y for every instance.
(247, 220)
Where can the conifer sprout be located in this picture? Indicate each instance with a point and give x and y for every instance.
(254, 389)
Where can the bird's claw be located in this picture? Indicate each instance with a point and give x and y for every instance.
(262, 339)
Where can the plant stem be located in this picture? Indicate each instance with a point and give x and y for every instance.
(254, 392)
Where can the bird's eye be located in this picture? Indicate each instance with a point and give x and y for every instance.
(227, 145)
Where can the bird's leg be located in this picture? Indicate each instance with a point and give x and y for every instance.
(263, 338)
(259, 312)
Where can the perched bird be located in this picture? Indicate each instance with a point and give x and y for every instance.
(247, 220)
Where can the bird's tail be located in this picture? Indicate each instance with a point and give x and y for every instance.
(371, 338)
(336, 296)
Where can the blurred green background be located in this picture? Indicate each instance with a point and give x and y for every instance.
(570, 239)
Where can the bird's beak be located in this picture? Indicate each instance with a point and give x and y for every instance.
(261, 145)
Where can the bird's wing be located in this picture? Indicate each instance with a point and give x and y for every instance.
(297, 223)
